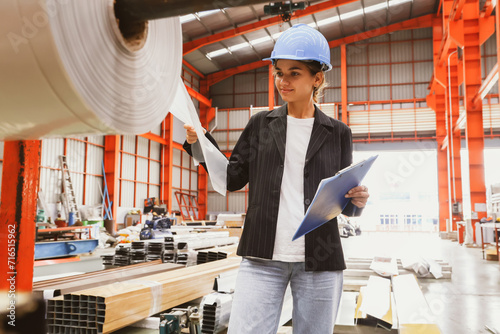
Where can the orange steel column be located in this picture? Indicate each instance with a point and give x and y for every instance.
(343, 81)
(451, 84)
(17, 214)
(202, 174)
(112, 171)
(454, 142)
(270, 100)
(474, 128)
(167, 161)
(437, 101)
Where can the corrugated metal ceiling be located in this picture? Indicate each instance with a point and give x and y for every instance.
(337, 22)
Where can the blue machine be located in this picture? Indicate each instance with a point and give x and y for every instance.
(50, 249)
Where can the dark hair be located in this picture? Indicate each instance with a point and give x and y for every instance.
(316, 67)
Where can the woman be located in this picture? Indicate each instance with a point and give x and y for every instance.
(283, 155)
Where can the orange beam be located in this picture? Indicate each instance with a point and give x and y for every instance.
(198, 96)
(192, 68)
(343, 81)
(456, 10)
(488, 7)
(154, 137)
(270, 97)
(17, 215)
(198, 43)
(167, 161)
(214, 78)
(416, 23)
(112, 171)
(205, 113)
(474, 129)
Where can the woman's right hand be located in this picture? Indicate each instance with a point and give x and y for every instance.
(191, 136)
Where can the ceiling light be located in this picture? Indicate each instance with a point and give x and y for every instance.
(260, 40)
(374, 8)
(238, 46)
(328, 20)
(217, 53)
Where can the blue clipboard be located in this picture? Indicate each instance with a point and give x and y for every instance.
(330, 200)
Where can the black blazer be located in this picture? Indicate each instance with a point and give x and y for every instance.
(258, 159)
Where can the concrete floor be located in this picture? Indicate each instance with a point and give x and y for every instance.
(463, 304)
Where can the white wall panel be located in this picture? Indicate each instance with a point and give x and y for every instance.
(99, 140)
(262, 82)
(381, 93)
(244, 83)
(222, 119)
(402, 92)
(128, 144)
(194, 181)
(223, 87)
(357, 76)
(333, 95)
(93, 188)
(127, 194)
(176, 177)
(380, 74)
(335, 56)
(155, 150)
(175, 206)
(185, 179)
(238, 119)
(216, 203)
(95, 157)
(402, 35)
(236, 202)
(177, 157)
(422, 50)
(185, 160)
(401, 52)
(356, 54)
(245, 100)
(154, 191)
(128, 166)
(357, 94)
(262, 99)
(154, 172)
(142, 146)
(378, 53)
(142, 170)
(402, 73)
(490, 46)
(421, 91)
(141, 193)
(423, 71)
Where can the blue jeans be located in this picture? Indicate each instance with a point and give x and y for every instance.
(259, 292)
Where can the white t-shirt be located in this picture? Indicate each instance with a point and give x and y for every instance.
(291, 208)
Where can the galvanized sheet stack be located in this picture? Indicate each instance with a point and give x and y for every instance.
(113, 306)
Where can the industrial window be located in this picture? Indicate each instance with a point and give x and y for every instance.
(184, 176)
(84, 156)
(139, 176)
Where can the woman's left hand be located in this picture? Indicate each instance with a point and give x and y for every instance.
(359, 196)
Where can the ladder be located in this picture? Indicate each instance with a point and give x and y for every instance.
(69, 199)
(188, 205)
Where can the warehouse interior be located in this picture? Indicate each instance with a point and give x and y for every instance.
(108, 225)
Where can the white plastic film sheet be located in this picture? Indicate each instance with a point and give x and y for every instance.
(216, 162)
(65, 69)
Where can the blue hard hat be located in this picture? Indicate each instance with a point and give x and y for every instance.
(302, 42)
